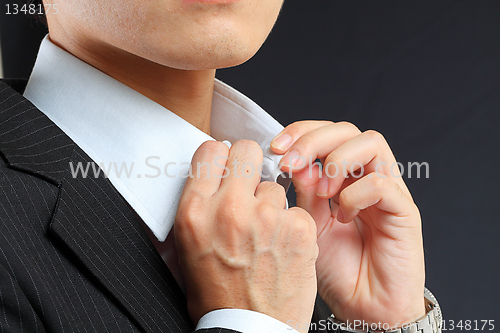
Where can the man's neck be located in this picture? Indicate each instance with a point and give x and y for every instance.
(186, 93)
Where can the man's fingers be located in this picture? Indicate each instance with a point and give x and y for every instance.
(243, 168)
(383, 194)
(305, 187)
(301, 216)
(207, 168)
(317, 143)
(363, 154)
(283, 141)
(272, 193)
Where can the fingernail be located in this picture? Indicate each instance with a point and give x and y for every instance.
(340, 216)
(282, 142)
(292, 156)
(322, 189)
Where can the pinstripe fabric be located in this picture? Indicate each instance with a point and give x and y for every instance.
(73, 258)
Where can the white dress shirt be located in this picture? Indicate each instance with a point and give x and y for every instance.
(120, 129)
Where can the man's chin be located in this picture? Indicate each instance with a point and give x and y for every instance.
(211, 61)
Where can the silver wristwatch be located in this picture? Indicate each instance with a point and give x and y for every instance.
(430, 323)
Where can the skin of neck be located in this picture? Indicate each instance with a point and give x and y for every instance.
(187, 93)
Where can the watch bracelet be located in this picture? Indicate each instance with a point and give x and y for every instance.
(431, 322)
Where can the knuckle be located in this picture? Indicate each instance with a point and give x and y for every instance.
(292, 129)
(297, 127)
(246, 151)
(308, 142)
(190, 212)
(184, 228)
(231, 210)
(247, 145)
(332, 159)
(333, 165)
(375, 136)
(378, 183)
(190, 203)
(214, 148)
(276, 189)
(303, 226)
(353, 128)
(346, 198)
(267, 214)
(298, 212)
(304, 234)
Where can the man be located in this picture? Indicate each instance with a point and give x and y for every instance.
(134, 81)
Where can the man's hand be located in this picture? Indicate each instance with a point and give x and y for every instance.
(238, 246)
(370, 265)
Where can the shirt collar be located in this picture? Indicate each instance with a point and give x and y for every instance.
(121, 129)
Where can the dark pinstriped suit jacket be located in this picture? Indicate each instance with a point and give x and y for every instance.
(73, 257)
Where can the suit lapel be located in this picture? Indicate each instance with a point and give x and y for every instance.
(92, 219)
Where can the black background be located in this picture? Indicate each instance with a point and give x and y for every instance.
(426, 74)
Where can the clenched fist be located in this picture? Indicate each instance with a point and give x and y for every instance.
(238, 246)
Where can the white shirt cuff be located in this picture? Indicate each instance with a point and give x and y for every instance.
(244, 321)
